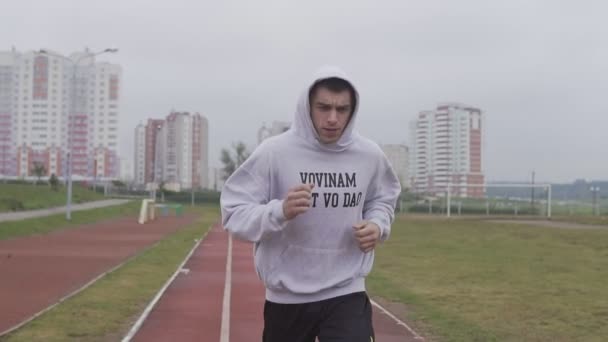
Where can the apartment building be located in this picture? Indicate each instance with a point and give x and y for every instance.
(51, 104)
(447, 150)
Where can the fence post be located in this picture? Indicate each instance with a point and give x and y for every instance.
(449, 202)
(549, 201)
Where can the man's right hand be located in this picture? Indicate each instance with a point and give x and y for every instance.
(297, 200)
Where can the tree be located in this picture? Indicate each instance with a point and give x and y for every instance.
(232, 160)
(162, 188)
(119, 183)
(38, 170)
(54, 182)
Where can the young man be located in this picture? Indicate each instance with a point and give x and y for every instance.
(315, 200)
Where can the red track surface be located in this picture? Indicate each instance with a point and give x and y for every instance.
(247, 304)
(191, 308)
(37, 271)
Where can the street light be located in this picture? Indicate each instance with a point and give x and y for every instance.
(68, 207)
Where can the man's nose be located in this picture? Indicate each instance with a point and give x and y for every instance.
(333, 117)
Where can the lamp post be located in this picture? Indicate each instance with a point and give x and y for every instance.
(74, 63)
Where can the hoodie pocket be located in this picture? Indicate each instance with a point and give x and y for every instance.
(267, 258)
(305, 270)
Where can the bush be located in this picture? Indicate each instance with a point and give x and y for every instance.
(54, 182)
(17, 181)
(199, 197)
(12, 204)
(119, 184)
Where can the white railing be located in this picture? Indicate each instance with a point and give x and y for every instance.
(500, 185)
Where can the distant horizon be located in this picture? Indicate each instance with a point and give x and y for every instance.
(537, 69)
(252, 145)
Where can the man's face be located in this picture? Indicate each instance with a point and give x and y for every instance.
(330, 113)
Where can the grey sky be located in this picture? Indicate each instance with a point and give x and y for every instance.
(538, 69)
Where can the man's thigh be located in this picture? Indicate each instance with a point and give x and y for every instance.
(291, 322)
(347, 319)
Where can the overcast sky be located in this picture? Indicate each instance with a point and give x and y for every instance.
(537, 69)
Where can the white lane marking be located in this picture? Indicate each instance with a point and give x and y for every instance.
(135, 328)
(225, 331)
(399, 322)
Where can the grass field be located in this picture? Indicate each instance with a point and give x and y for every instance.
(27, 196)
(474, 281)
(41, 225)
(461, 281)
(594, 220)
(104, 311)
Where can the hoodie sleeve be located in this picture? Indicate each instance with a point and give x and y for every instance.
(247, 212)
(381, 198)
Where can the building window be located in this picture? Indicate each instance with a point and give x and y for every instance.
(476, 119)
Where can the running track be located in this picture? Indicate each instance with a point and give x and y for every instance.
(38, 271)
(218, 297)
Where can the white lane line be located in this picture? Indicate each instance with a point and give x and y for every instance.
(135, 328)
(399, 322)
(225, 331)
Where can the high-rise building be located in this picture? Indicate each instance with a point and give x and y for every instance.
(398, 155)
(8, 118)
(49, 101)
(173, 151)
(152, 156)
(139, 157)
(447, 150)
(126, 170)
(200, 152)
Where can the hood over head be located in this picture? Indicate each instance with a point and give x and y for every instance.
(302, 123)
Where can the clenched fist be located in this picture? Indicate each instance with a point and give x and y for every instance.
(297, 200)
(367, 234)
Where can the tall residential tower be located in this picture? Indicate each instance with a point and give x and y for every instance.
(447, 150)
(173, 151)
(48, 101)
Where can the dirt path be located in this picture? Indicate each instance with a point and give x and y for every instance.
(21, 215)
(551, 224)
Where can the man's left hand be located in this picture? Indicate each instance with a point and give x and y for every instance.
(367, 234)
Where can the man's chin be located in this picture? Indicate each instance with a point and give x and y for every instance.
(329, 141)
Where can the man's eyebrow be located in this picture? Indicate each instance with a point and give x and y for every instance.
(325, 104)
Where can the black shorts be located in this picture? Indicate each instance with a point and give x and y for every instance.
(346, 318)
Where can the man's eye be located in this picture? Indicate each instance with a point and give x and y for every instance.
(343, 109)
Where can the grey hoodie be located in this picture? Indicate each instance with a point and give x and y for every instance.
(314, 256)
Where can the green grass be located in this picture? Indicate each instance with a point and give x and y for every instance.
(29, 196)
(105, 311)
(594, 220)
(42, 225)
(477, 281)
